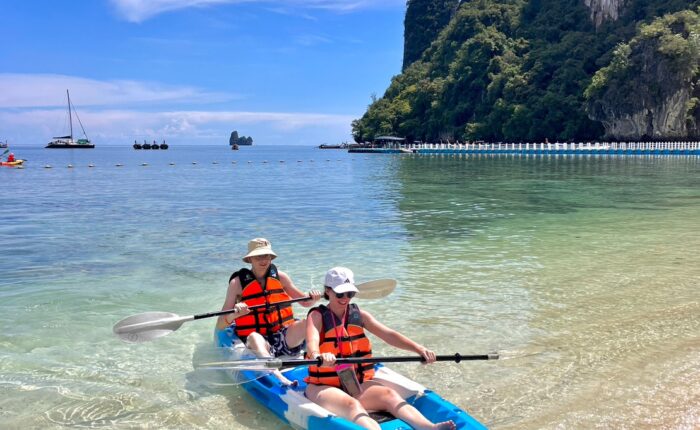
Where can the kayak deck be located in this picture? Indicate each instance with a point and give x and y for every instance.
(290, 404)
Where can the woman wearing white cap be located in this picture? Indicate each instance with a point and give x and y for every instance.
(271, 330)
(338, 330)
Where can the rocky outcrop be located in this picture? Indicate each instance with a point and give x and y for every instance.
(649, 88)
(665, 119)
(603, 10)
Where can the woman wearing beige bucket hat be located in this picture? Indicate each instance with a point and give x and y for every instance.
(270, 330)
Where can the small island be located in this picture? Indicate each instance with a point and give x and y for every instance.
(235, 141)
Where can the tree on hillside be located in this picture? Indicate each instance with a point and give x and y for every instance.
(424, 20)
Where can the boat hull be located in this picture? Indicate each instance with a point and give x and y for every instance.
(12, 163)
(70, 145)
(292, 407)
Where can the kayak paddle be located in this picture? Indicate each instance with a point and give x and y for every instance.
(276, 363)
(151, 325)
(377, 289)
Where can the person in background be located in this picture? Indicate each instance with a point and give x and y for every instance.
(338, 330)
(270, 331)
(11, 158)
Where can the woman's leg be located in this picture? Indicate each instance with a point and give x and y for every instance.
(259, 345)
(340, 403)
(296, 333)
(376, 397)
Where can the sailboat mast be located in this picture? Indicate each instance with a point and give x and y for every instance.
(70, 116)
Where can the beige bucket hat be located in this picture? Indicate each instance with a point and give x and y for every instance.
(259, 246)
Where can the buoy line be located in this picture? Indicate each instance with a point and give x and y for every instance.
(146, 164)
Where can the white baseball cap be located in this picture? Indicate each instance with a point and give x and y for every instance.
(340, 280)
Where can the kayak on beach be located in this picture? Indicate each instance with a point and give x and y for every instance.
(291, 406)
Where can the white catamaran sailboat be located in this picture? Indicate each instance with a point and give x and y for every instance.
(67, 141)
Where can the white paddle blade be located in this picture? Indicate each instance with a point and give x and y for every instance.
(219, 376)
(224, 377)
(376, 289)
(148, 326)
(263, 364)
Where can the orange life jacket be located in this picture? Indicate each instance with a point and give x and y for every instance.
(353, 343)
(267, 320)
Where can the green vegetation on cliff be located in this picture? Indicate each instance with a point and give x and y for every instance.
(430, 16)
(505, 70)
(653, 70)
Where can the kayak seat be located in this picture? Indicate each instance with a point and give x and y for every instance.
(381, 416)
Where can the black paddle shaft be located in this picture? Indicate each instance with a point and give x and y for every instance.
(271, 305)
(455, 358)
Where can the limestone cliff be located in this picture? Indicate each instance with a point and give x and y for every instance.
(603, 10)
(648, 89)
(663, 119)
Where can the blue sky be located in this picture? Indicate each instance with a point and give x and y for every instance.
(191, 71)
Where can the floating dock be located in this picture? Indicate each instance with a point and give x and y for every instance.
(563, 148)
(380, 150)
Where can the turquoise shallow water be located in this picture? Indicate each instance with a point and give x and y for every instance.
(582, 271)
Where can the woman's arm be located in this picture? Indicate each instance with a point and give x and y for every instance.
(314, 325)
(394, 338)
(233, 296)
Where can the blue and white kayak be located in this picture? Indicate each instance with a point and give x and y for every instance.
(291, 406)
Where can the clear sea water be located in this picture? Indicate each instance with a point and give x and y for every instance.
(584, 272)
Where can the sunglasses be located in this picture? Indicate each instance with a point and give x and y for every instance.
(349, 294)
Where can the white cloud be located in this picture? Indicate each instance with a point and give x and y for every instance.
(40, 90)
(118, 125)
(141, 10)
(311, 40)
(33, 109)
